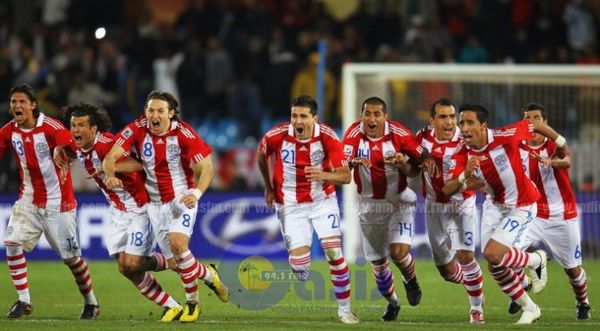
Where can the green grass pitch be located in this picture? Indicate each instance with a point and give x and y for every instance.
(444, 306)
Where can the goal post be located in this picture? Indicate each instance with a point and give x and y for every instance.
(570, 93)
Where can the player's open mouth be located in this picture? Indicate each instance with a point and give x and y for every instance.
(77, 138)
(299, 130)
(448, 130)
(18, 113)
(372, 126)
(155, 124)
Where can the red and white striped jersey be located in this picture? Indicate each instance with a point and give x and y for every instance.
(500, 166)
(323, 150)
(127, 198)
(380, 180)
(441, 151)
(558, 199)
(167, 159)
(33, 150)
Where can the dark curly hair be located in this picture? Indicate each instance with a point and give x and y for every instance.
(97, 116)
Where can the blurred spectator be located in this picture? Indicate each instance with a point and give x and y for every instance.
(200, 19)
(191, 77)
(165, 70)
(89, 91)
(305, 82)
(280, 72)
(219, 76)
(581, 30)
(473, 51)
(235, 63)
(437, 40)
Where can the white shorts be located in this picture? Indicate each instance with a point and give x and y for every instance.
(129, 232)
(171, 217)
(562, 237)
(28, 222)
(507, 225)
(299, 221)
(383, 223)
(450, 227)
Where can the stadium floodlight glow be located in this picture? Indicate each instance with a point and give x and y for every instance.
(100, 33)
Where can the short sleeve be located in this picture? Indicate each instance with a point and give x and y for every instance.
(459, 163)
(265, 146)
(334, 151)
(5, 143)
(126, 138)
(349, 146)
(409, 145)
(514, 133)
(65, 138)
(194, 148)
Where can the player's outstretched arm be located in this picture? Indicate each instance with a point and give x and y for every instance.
(339, 176)
(204, 173)
(400, 161)
(460, 182)
(548, 132)
(428, 164)
(554, 161)
(263, 166)
(108, 165)
(128, 164)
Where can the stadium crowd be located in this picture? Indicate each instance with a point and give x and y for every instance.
(233, 59)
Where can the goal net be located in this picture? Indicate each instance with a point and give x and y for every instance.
(570, 94)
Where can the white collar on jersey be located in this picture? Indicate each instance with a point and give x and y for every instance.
(454, 138)
(524, 142)
(316, 130)
(38, 123)
(172, 127)
(490, 135)
(40, 120)
(386, 128)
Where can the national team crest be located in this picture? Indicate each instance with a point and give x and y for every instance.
(449, 163)
(173, 151)
(500, 160)
(97, 163)
(42, 149)
(317, 156)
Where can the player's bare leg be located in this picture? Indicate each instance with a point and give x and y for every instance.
(578, 280)
(400, 254)
(384, 277)
(340, 277)
(80, 270)
(17, 264)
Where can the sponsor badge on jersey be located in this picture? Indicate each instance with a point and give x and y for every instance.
(348, 150)
(127, 133)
